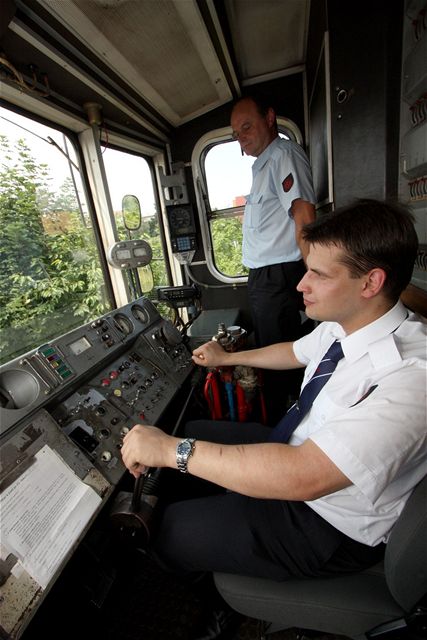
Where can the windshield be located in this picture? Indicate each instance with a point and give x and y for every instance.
(51, 279)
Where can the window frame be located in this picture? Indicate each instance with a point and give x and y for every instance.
(198, 157)
(158, 213)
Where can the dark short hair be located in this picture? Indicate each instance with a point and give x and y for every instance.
(373, 234)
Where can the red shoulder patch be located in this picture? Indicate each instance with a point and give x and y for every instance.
(288, 183)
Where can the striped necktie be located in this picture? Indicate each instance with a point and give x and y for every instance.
(287, 425)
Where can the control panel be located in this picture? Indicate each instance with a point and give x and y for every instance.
(99, 380)
(64, 410)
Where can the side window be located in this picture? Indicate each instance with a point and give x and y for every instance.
(129, 174)
(228, 182)
(51, 279)
(223, 178)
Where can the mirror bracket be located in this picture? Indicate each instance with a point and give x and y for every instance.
(176, 183)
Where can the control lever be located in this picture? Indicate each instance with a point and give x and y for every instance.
(135, 510)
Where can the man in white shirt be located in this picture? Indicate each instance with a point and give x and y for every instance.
(326, 500)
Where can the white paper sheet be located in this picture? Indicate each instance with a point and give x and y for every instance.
(43, 513)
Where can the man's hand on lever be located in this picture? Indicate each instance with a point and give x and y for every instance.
(211, 355)
(146, 446)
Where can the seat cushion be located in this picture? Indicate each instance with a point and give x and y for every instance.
(322, 604)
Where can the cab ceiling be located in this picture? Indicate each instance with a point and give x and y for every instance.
(157, 64)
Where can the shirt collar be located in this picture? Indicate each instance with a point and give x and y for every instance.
(265, 155)
(359, 343)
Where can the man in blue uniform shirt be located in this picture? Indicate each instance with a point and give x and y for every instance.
(280, 203)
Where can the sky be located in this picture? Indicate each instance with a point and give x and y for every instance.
(229, 174)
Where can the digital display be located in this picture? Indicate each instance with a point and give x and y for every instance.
(140, 251)
(123, 254)
(80, 345)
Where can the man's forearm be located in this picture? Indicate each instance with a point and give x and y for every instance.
(265, 470)
(303, 213)
(277, 356)
(268, 470)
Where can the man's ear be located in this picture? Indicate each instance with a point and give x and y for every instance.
(271, 116)
(374, 282)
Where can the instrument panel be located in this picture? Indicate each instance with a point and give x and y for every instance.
(132, 356)
(97, 381)
(64, 409)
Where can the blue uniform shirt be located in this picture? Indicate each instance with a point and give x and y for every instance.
(280, 175)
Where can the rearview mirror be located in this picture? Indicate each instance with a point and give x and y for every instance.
(146, 278)
(131, 212)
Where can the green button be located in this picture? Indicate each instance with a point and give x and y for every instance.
(48, 352)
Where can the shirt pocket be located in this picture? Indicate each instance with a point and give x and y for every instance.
(253, 208)
(325, 409)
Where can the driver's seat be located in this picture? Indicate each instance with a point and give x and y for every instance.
(379, 602)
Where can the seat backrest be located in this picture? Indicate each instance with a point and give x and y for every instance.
(405, 559)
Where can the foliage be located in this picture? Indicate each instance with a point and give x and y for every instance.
(50, 280)
(227, 244)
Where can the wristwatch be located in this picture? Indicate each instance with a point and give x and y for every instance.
(184, 450)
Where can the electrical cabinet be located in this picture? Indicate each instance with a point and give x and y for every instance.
(357, 81)
(413, 126)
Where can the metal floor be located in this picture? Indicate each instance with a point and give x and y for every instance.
(131, 599)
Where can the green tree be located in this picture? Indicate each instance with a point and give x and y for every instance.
(50, 279)
(227, 244)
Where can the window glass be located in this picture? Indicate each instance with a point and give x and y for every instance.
(51, 279)
(228, 175)
(129, 174)
(228, 181)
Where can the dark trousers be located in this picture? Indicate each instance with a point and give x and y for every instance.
(275, 302)
(275, 307)
(232, 533)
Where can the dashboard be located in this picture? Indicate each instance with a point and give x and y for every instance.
(64, 409)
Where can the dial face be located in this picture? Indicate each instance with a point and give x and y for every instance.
(184, 448)
(140, 313)
(180, 219)
(123, 323)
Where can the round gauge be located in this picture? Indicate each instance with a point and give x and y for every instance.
(140, 313)
(123, 323)
(180, 218)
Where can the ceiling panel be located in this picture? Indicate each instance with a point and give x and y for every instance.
(162, 47)
(269, 37)
(153, 64)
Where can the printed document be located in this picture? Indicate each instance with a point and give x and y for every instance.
(43, 513)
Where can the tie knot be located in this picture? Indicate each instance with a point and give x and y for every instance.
(335, 352)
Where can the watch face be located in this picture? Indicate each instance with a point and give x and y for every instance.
(183, 451)
(184, 447)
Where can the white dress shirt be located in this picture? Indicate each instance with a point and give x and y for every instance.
(370, 420)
